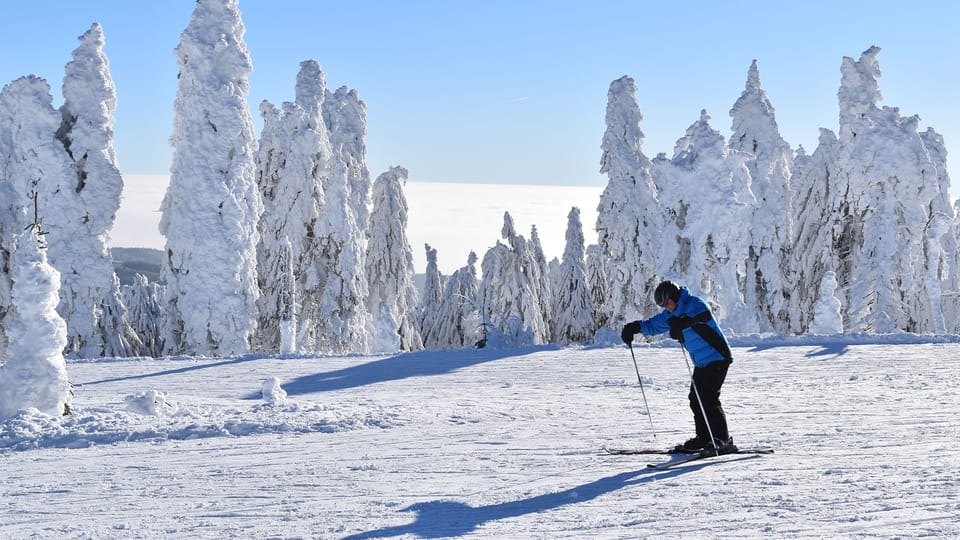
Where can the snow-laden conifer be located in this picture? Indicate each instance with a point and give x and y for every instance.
(35, 373)
(508, 295)
(211, 208)
(629, 220)
(817, 199)
(9, 230)
(705, 189)
(951, 301)
(599, 290)
(343, 321)
(293, 163)
(144, 302)
(827, 318)
(573, 311)
(942, 245)
(44, 184)
(430, 301)
(889, 180)
(539, 272)
(393, 298)
(755, 132)
(457, 322)
(90, 295)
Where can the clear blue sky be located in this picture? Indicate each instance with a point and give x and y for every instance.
(514, 91)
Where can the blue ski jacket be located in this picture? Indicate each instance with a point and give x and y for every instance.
(701, 351)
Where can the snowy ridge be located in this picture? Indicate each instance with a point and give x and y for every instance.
(97, 427)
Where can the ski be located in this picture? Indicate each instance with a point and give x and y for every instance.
(632, 451)
(687, 458)
(647, 451)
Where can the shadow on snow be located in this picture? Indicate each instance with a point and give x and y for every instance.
(393, 368)
(439, 519)
(187, 369)
(401, 366)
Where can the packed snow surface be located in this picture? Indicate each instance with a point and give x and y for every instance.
(493, 444)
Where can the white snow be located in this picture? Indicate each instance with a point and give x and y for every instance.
(494, 444)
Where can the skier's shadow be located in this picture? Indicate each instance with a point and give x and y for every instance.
(440, 519)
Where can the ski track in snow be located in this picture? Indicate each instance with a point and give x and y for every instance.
(493, 444)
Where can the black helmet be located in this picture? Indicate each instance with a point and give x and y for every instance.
(666, 289)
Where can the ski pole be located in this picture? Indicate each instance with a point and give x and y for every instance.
(642, 393)
(696, 392)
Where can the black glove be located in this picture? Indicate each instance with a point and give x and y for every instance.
(629, 330)
(677, 324)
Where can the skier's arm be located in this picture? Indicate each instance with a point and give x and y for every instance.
(656, 324)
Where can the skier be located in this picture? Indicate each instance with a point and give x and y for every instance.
(689, 321)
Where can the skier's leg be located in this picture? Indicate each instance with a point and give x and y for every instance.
(709, 381)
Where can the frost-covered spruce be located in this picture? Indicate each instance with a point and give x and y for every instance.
(9, 229)
(705, 189)
(755, 133)
(951, 311)
(539, 272)
(817, 197)
(35, 373)
(430, 301)
(293, 163)
(457, 323)
(343, 322)
(211, 208)
(599, 290)
(393, 298)
(44, 182)
(90, 295)
(827, 317)
(943, 264)
(573, 302)
(629, 220)
(508, 296)
(889, 181)
(940, 239)
(144, 302)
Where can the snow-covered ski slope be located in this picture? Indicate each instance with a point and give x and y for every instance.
(493, 444)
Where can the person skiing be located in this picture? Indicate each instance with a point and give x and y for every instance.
(688, 320)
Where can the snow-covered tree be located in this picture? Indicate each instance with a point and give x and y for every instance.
(430, 301)
(889, 180)
(508, 293)
(9, 229)
(940, 238)
(44, 184)
(393, 296)
(344, 323)
(599, 290)
(293, 163)
(827, 318)
(573, 302)
(705, 190)
(540, 279)
(817, 199)
(144, 302)
(755, 133)
(35, 373)
(629, 220)
(457, 321)
(951, 300)
(211, 208)
(90, 294)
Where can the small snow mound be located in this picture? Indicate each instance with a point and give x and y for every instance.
(149, 403)
(273, 393)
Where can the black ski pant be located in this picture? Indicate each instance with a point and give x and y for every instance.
(708, 381)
